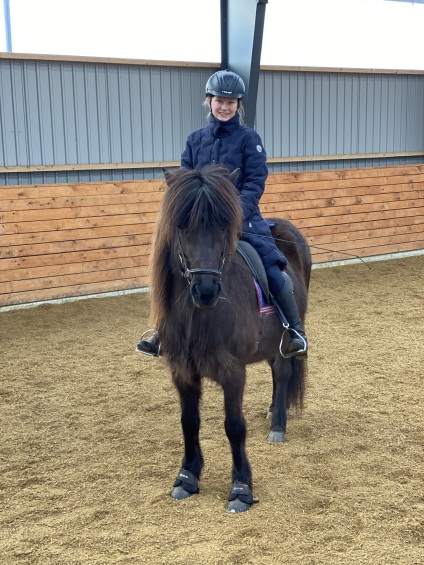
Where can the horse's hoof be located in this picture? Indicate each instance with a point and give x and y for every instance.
(185, 485)
(276, 437)
(180, 494)
(238, 506)
(241, 498)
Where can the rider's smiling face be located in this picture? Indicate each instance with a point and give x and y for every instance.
(223, 108)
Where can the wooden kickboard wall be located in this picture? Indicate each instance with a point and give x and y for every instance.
(60, 241)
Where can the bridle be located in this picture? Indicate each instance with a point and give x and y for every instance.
(189, 273)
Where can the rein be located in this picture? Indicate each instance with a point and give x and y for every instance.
(315, 247)
(189, 273)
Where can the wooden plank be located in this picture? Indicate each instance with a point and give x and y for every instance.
(75, 235)
(317, 221)
(24, 285)
(337, 70)
(309, 189)
(90, 167)
(115, 61)
(365, 233)
(72, 291)
(343, 157)
(343, 174)
(62, 259)
(145, 188)
(175, 164)
(283, 193)
(70, 246)
(355, 202)
(80, 212)
(76, 268)
(208, 65)
(79, 202)
(342, 211)
(353, 227)
(388, 240)
(76, 223)
(362, 252)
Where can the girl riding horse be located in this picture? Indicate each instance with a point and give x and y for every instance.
(226, 140)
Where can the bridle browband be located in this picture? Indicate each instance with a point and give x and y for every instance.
(189, 273)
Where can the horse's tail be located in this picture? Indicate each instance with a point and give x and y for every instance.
(297, 384)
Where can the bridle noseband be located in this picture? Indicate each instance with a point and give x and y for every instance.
(189, 273)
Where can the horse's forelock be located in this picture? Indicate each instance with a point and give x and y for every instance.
(204, 199)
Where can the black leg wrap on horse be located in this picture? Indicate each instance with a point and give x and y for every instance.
(187, 481)
(242, 492)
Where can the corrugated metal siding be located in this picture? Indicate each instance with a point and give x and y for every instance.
(66, 113)
(54, 113)
(307, 113)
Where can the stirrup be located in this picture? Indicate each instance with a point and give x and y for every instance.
(298, 353)
(148, 353)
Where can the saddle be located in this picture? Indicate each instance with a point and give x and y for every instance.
(266, 302)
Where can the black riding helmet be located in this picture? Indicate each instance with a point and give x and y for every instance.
(225, 83)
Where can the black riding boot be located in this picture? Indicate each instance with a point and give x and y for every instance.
(149, 346)
(298, 345)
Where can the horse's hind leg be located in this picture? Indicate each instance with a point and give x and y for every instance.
(281, 371)
(271, 406)
(241, 497)
(187, 479)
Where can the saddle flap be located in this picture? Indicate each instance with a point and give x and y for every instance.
(254, 262)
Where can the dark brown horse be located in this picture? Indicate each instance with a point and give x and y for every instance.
(204, 305)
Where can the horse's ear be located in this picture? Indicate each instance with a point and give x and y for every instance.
(234, 176)
(167, 174)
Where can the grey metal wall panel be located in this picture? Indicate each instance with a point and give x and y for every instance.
(339, 113)
(65, 113)
(54, 113)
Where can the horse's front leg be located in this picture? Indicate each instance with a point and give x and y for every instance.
(187, 481)
(241, 497)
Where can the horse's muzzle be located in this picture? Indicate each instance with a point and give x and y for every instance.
(205, 291)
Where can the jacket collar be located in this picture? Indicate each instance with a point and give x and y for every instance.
(223, 129)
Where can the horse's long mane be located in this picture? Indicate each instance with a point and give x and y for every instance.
(193, 199)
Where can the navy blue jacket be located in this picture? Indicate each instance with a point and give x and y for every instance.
(238, 146)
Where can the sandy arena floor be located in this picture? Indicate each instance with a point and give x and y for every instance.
(91, 440)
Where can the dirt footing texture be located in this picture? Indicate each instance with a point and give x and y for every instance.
(91, 440)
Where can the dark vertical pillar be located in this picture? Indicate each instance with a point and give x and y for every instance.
(242, 25)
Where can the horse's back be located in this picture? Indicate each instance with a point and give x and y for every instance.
(292, 243)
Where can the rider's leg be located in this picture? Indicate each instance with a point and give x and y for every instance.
(281, 286)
